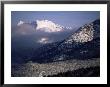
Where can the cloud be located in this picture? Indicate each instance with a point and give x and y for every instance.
(20, 23)
(48, 26)
(45, 26)
(44, 40)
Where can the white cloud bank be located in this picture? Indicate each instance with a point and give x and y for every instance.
(44, 40)
(20, 23)
(48, 26)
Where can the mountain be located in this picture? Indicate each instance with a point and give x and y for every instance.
(82, 44)
(26, 38)
(78, 55)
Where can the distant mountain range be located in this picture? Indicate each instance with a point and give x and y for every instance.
(82, 44)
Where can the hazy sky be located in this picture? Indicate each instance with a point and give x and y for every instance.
(70, 18)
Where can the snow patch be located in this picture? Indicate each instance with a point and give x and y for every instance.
(84, 35)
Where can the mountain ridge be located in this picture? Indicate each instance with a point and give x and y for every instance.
(75, 49)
